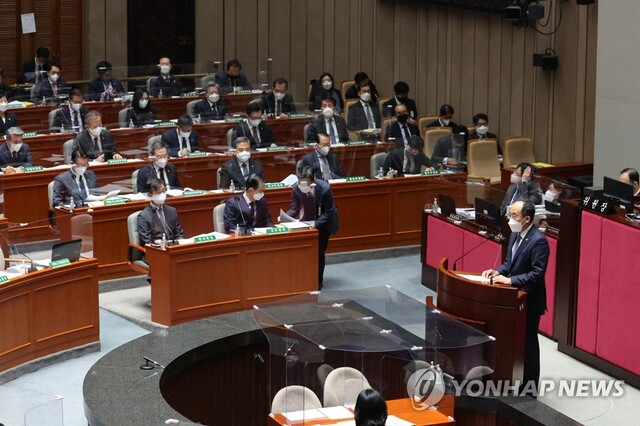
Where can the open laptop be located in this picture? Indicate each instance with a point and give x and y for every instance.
(68, 250)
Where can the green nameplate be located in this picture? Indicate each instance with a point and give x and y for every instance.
(281, 230)
(112, 201)
(29, 134)
(276, 148)
(4, 279)
(192, 193)
(127, 98)
(356, 179)
(204, 238)
(59, 263)
(233, 119)
(431, 173)
(166, 124)
(298, 115)
(12, 105)
(356, 143)
(188, 94)
(274, 185)
(117, 161)
(243, 92)
(197, 154)
(32, 169)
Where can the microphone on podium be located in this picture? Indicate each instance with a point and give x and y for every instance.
(488, 237)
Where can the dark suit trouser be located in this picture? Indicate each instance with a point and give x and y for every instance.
(323, 243)
(532, 351)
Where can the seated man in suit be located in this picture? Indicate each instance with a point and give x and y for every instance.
(631, 177)
(364, 114)
(105, 87)
(34, 70)
(7, 119)
(71, 117)
(451, 150)
(232, 80)
(75, 183)
(360, 79)
(158, 219)
(95, 141)
(523, 187)
(444, 118)
(278, 103)
(401, 130)
(239, 168)
(211, 108)
(14, 155)
(254, 128)
(50, 88)
(325, 164)
(525, 266)
(165, 85)
(160, 168)
(408, 160)
(330, 123)
(182, 140)
(401, 91)
(249, 210)
(481, 123)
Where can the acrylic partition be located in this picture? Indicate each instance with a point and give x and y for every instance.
(30, 407)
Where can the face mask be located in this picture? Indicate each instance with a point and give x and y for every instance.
(257, 196)
(142, 103)
(95, 131)
(3, 106)
(445, 121)
(76, 107)
(366, 97)
(158, 199)
(164, 69)
(161, 163)
(304, 187)
(279, 96)
(327, 112)
(255, 122)
(54, 77)
(326, 85)
(15, 147)
(482, 130)
(516, 179)
(79, 170)
(213, 98)
(185, 134)
(402, 118)
(515, 225)
(243, 156)
(549, 195)
(324, 150)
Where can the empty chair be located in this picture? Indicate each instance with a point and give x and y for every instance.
(218, 218)
(152, 139)
(122, 118)
(517, 150)
(431, 136)
(294, 398)
(206, 80)
(344, 86)
(67, 149)
(134, 181)
(50, 194)
(482, 161)
(231, 136)
(376, 162)
(52, 114)
(343, 386)
(136, 252)
(305, 132)
(322, 373)
(149, 81)
(423, 120)
(191, 108)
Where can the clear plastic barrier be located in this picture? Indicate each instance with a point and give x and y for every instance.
(31, 408)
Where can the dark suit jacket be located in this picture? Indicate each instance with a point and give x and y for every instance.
(147, 172)
(62, 119)
(170, 87)
(436, 123)
(8, 91)
(393, 131)
(443, 147)
(170, 140)
(318, 206)
(358, 118)
(395, 160)
(237, 212)
(43, 88)
(352, 92)
(96, 88)
(268, 104)
(527, 191)
(230, 170)
(140, 117)
(207, 111)
(23, 156)
(84, 142)
(151, 228)
(311, 159)
(528, 268)
(389, 111)
(318, 94)
(266, 135)
(29, 71)
(318, 126)
(10, 120)
(474, 136)
(64, 186)
(226, 84)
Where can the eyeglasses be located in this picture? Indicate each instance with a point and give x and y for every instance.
(161, 157)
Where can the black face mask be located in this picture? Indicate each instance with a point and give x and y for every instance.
(402, 118)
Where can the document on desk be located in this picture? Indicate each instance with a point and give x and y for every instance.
(336, 413)
(474, 278)
(290, 180)
(92, 197)
(397, 421)
(140, 196)
(298, 416)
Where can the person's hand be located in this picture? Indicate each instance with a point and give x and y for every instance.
(452, 162)
(526, 175)
(100, 158)
(273, 145)
(411, 121)
(489, 273)
(278, 219)
(117, 156)
(283, 116)
(501, 280)
(184, 152)
(9, 170)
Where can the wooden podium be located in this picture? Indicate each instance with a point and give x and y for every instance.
(497, 310)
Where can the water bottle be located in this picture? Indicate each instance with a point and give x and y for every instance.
(435, 209)
(131, 125)
(232, 187)
(72, 205)
(44, 100)
(237, 230)
(163, 242)
(380, 173)
(160, 93)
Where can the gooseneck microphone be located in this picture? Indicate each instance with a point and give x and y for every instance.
(488, 237)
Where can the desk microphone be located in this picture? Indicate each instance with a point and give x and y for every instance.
(32, 267)
(167, 228)
(488, 237)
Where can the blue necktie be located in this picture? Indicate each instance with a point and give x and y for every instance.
(516, 246)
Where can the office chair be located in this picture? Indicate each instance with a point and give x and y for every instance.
(343, 386)
(136, 252)
(294, 398)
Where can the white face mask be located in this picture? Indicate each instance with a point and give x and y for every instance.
(445, 121)
(158, 199)
(279, 96)
(243, 156)
(482, 130)
(3, 106)
(515, 225)
(161, 163)
(96, 131)
(185, 134)
(79, 170)
(326, 85)
(304, 187)
(142, 103)
(549, 195)
(516, 179)
(324, 150)
(255, 122)
(54, 77)
(366, 97)
(327, 112)
(257, 196)
(76, 107)
(164, 69)
(15, 147)
(214, 97)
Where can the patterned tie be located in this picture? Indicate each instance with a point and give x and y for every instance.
(405, 134)
(516, 246)
(256, 135)
(370, 121)
(163, 222)
(54, 89)
(326, 170)
(83, 188)
(96, 145)
(245, 171)
(332, 133)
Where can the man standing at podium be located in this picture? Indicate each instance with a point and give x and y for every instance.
(524, 268)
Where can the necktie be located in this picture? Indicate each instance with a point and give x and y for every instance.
(370, 122)
(278, 108)
(245, 171)
(54, 88)
(162, 175)
(516, 246)
(76, 120)
(332, 133)
(256, 135)
(83, 188)
(326, 170)
(163, 222)
(96, 144)
(184, 145)
(405, 134)
(252, 205)
(15, 156)
(408, 163)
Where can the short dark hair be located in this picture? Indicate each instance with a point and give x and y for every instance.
(461, 129)
(401, 87)
(103, 66)
(234, 63)
(137, 95)
(76, 92)
(155, 184)
(528, 209)
(322, 135)
(326, 74)
(42, 52)
(241, 139)
(154, 146)
(253, 181)
(307, 172)
(480, 116)
(416, 142)
(78, 154)
(333, 101)
(253, 107)
(280, 80)
(446, 109)
(360, 77)
(360, 86)
(185, 120)
(371, 409)
(523, 166)
(51, 65)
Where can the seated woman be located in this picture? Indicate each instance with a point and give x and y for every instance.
(7, 119)
(141, 111)
(323, 88)
(371, 409)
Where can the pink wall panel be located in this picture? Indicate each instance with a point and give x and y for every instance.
(588, 282)
(443, 240)
(484, 257)
(547, 320)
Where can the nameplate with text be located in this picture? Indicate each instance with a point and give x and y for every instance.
(188, 94)
(4, 279)
(166, 124)
(356, 143)
(280, 230)
(356, 179)
(32, 169)
(29, 134)
(117, 161)
(197, 154)
(431, 173)
(274, 185)
(243, 92)
(276, 148)
(204, 239)
(233, 119)
(599, 205)
(298, 115)
(59, 263)
(193, 193)
(113, 201)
